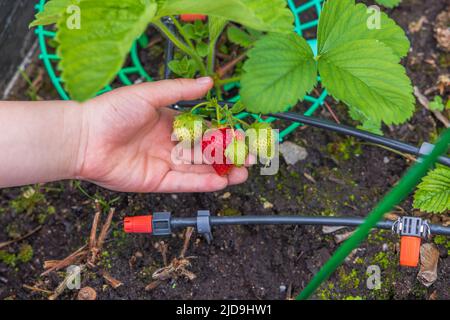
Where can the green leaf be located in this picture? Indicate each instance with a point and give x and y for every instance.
(196, 31)
(372, 127)
(238, 107)
(433, 193)
(279, 72)
(365, 74)
(437, 104)
(359, 61)
(216, 26)
(343, 21)
(185, 68)
(389, 3)
(92, 55)
(53, 10)
(240, 37)
(367, 124)
(264, 15)
(188, 29)
(202, 49)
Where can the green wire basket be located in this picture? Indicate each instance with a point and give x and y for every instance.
(135, 68)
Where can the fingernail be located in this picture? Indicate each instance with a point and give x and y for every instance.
(204, 80)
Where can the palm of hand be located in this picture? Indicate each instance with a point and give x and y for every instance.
(128, 147)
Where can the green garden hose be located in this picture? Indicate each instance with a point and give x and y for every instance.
(394, 197)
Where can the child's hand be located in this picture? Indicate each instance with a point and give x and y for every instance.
(126, 141)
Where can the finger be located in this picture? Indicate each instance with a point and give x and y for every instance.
(237, 176)
(193, 168)
(251, 160)
(167, 92)
(191, 182)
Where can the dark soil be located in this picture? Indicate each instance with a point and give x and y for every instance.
(245, 262)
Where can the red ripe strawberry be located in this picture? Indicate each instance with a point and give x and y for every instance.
(218, 141)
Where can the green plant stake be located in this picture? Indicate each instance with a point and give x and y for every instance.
(395, 196)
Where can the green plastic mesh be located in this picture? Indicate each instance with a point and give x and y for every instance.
(306, 13)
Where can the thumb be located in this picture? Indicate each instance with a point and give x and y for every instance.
(167, 92)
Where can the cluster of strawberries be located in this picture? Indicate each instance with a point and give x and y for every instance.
(223, 146)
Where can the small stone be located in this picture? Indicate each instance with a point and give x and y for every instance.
(385, 247)
(328, 229)
(429, 258)
(174, 196)
(283, 289)
(87, 293)
(391, 216)
(352, 255)
(386, 160)
(343, 236)
(267, 205)
(226, 195)
(292, 153)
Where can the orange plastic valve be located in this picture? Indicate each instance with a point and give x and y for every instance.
(139, 224)
(409, 251)
(192, 17)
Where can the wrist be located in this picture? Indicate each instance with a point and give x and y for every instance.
(75, 134)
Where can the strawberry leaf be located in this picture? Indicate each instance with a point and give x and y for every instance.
(343, 21)
(366, 123)
(53, 10)
(241, 37)
(433, 193)
(279, 72)
(366, 75)
(92, 55)
(265, 15)
(360, 65)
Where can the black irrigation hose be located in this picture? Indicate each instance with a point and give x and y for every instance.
(169, 51)
(294, 220)
(323, 124)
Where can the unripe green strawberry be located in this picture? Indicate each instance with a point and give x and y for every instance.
(188, 127)
(261, 140)
(237, 151)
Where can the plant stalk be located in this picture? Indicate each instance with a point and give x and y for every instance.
(181, 32)
(182, 46)
(222, 82)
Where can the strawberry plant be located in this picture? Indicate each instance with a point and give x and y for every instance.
(357, 59)
(433, 193)
(358, 55)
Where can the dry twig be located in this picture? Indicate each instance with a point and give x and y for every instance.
(36, 289)
(222, 71)
(112, 281)
(177, 267)
(84, 256)
(29, 234)
(425, 103)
